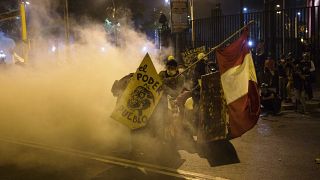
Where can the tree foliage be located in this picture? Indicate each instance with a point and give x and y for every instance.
(111, 9)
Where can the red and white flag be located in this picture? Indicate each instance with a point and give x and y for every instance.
(239, 83)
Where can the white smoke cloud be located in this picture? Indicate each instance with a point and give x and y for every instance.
(62, 96)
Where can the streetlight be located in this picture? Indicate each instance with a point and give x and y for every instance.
(144, 49)
(250, 43)
(27, 2)
(245, 9)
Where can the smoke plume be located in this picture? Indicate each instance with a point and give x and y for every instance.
(62, 96)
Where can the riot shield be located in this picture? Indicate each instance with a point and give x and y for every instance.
(213, 117)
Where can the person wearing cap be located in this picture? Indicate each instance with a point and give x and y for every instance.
(200, 69)
(269, 100)
(172, 87)
(170, 58)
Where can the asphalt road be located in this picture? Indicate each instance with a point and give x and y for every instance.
(279, 147)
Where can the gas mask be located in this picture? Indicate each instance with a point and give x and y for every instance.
(171, 72)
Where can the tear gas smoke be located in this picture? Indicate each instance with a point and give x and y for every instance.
(63, 95)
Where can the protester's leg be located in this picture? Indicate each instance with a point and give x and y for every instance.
(282, 88)
(289, 91)
(303, 100)
(268, 105)
(309, 90)
(276, 105)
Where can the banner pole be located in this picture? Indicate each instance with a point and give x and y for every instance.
(216, 47)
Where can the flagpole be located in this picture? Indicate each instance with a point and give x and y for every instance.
(216, 47)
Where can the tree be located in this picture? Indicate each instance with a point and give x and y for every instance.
(111, 9)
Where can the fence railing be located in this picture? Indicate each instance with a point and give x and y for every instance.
(283, 31)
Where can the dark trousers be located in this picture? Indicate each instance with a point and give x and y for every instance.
(272, 105)
(308, 88)
(283, 87)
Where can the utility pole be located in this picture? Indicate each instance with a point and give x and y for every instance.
(241, 13)
(24, 33)
(192, 22)
(66, 20)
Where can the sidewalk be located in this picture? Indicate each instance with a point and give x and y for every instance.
(312, 105)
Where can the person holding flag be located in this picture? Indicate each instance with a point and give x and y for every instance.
(167, 108)
(142, 93)
(239, 83)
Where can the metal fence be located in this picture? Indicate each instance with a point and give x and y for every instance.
(283, 30)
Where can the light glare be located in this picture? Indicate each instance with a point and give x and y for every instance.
(250, 43)
(54, 48)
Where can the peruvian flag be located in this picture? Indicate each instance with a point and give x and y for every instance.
(239, 83)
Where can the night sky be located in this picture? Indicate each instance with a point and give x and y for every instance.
(143, 10)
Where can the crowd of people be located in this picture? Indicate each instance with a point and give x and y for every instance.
(287, 80)
(178, 89)
(290, 79)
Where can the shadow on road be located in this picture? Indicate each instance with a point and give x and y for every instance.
(219, 153)
(124, 173)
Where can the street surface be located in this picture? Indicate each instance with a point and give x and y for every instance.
(279, 147)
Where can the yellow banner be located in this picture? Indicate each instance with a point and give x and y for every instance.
(190, 56)
(140, 98)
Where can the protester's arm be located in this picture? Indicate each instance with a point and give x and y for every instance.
(313, 68)
(268, 97)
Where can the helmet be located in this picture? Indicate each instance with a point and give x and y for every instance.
(171, 58)
(202, 56)
(172, 63)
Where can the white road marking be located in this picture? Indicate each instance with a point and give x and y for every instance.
(113, 160)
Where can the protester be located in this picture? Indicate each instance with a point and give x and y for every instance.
(289, 73)
(282, 78)
(261, 57)
(119, 86)
(307, 65)
(299, 87)
(167, 109)
(201, 68)
(266, 76)
(269, 100)
(172, 85)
